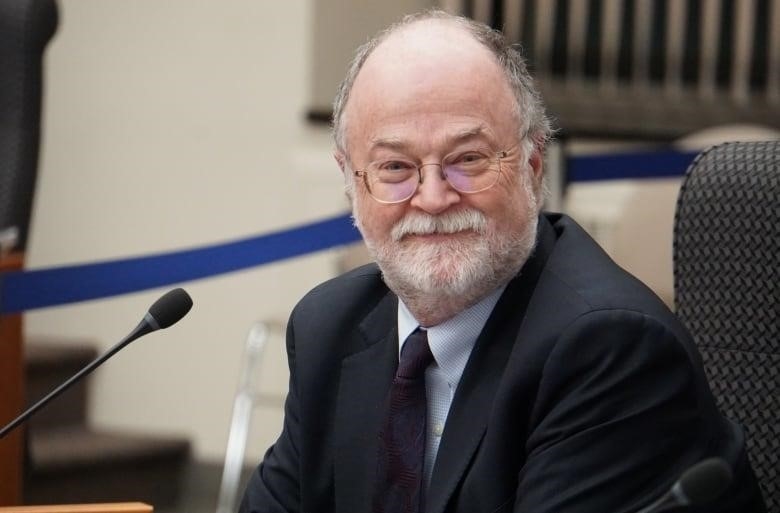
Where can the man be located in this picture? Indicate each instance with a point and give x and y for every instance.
(556, 382)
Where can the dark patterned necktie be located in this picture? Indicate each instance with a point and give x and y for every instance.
(402, 437)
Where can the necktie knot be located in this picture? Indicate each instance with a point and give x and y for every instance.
(415, 356)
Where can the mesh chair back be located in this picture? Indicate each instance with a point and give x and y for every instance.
(25, 28)
(727, 289)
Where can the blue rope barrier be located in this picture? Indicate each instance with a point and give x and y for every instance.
(28, 290)
(655, 164)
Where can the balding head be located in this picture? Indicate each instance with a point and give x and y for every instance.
(436, 33)
(431, 73)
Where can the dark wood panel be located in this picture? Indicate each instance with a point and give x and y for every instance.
(11, 397)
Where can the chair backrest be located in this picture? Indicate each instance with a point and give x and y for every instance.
(727, 289)
(26, 26)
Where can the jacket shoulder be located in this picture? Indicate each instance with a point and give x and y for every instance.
(589, 275)
(360, 281)
(341, 301)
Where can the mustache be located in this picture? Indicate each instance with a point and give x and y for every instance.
(418, 223)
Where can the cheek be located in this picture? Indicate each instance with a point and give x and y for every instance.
(508, 208)
(376, 220)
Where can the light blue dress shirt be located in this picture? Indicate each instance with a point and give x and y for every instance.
(451, 343)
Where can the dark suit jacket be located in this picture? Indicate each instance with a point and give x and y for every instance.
(583, 393)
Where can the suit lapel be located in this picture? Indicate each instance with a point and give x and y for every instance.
(365, 380)
(469, 413)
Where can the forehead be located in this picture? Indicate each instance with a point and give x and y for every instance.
(430, 78)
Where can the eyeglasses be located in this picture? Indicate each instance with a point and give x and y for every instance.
(395, 180)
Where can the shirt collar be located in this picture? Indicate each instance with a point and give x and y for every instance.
(451, 342)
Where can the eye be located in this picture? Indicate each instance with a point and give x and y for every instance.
(397, 166)
(467, 158)
(392, 171)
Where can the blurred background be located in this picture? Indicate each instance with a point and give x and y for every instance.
(175, 124)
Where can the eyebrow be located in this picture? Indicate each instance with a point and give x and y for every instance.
(393, 143)
(396, 143)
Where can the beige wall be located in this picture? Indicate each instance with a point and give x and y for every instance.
(172, 124)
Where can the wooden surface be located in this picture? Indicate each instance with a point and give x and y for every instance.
(118, 507)
(11, 396)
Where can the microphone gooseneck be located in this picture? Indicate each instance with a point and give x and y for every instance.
(165, 312)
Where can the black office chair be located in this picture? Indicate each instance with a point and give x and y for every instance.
(727, 289)
(26, 26)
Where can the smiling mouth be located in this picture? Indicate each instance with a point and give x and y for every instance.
(447, 226)
(439, 235)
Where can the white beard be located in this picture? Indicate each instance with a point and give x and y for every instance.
(453, 274)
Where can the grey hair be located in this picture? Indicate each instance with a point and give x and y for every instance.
(535, 125)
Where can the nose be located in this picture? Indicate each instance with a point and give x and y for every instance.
(434, 194)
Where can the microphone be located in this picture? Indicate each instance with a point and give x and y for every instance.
(165, 312)
(698, 485)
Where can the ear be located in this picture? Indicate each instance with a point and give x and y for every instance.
(536, 161)
(349, 186)
(341, 160)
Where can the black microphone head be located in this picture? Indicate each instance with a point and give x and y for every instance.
(170, 308)
(706, 480)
